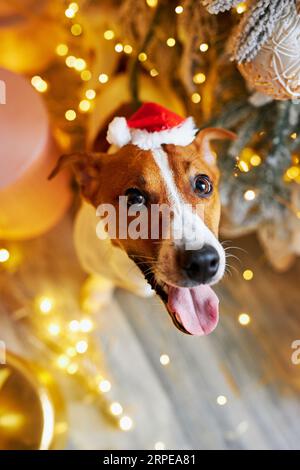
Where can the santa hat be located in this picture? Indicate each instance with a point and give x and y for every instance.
(150, 127)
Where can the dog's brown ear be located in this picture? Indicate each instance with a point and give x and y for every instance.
(204, 137)
(86, 167)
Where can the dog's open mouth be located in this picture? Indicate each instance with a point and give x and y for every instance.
(194, 310)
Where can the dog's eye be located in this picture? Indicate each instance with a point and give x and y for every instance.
(203, 185)
(135, 197)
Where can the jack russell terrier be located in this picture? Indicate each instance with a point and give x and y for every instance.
(161, 159)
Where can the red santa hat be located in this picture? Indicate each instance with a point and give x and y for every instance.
(151, 126)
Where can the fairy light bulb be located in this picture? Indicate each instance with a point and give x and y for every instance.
(241, 8)
(104, 386)
(153, 72)
(179, 9)
(128, 49)
(116, 409)
(203, 47)
(76, 29)
(79, 64)
(45, 304)
(221, 400)
(164, 359)
(119, 47)
(62, 50)
(151, 3)
(39, 84)
(74, 326)
(255, 160)
(171, 42)
(70, 115)
(4, 255)
(244, 319)
(126, 423)
(90, 94)
(196, 98)
(81, 347)
(54, 329)
(142, 57)
(199, 78)
(248, 274)
(249, 195)
(84, 106)
(86, 75)
(103, 78)
(63, 361)
(86, 325)
(109, 34)
(70, 61)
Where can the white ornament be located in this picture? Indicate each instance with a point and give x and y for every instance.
(275, 70)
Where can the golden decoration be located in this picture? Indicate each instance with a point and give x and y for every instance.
(32, 415)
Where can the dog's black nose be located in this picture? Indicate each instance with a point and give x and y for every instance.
(200, 265)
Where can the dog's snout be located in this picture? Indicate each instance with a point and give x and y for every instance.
(200, 265)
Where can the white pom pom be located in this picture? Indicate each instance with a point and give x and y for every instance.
(118, 132)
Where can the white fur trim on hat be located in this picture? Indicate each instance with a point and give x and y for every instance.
(120, 134)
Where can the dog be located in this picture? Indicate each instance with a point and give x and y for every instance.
(161, 159)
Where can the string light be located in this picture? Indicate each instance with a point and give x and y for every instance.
(241, 8)
(249, 195)
(70, 61)
(63, 361)
(221, 400)
(255, 160)
(248, 274)
(70, 115)
(90, 94)
(171, 42)
(142, 56)
(104, 386)
(80, 64)
(153, 73)
(179, 9)
(243, 166)
(199, 78)
(62, 50)
(116, 409)
(203, 47)
(45, 304)
(84, 106)
(74, 326)
(109, 34)
(151, 3)
(126, 423)
(81, 347)
(119, 47)
(294, 136)
(72, 9)
(4, 255)
(103, 78)
(39, 84)
(86, 75)
(128, 49)
(86, 325)
(54, 329)
(196, 98)
(76, 29)
(164, 359)
(244, 319)
(71, 351)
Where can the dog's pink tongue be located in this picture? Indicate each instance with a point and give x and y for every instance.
(197, 308)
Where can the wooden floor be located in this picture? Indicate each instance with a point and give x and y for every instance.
(176, 404)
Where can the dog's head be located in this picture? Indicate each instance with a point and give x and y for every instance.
(178, 252)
